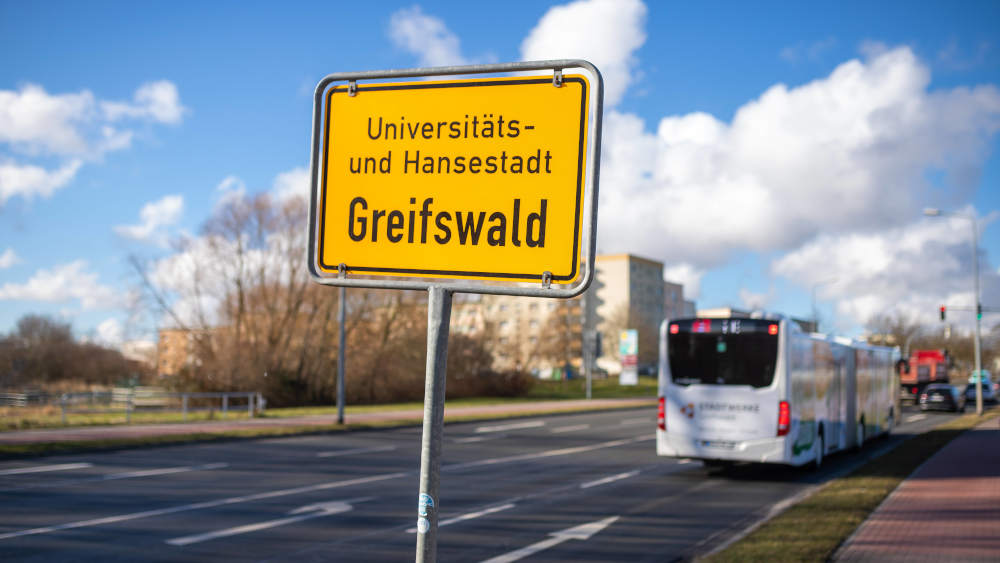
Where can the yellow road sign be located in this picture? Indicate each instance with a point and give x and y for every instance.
(479, 179)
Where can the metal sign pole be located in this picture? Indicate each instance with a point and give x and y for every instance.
(341, 315)
(438, 318)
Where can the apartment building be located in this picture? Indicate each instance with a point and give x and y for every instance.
(545, 334)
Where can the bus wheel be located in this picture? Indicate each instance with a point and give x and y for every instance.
(860, 435)
(889, 423)
(818, 460)
(717, 465)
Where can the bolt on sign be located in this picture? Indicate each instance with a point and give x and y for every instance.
(484, 184)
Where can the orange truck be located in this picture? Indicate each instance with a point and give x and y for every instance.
(923, 368)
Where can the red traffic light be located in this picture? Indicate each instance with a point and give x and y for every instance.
(943, 308)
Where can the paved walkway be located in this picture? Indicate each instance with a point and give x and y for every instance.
(86, 433)
(947, 510)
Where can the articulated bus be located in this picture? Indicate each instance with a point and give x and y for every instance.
(759, 389)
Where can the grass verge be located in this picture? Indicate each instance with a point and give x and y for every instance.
(21, 418)
(814, 528)
(8, 451)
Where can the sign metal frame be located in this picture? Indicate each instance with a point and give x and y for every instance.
(587, 224)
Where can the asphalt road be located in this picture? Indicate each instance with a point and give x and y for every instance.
(585, 487)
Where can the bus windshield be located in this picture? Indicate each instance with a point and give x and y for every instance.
(723, 351)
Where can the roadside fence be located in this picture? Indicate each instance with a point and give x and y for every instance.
(154, 399)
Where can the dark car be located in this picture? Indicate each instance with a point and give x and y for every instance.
(942, 397)
(989, 395)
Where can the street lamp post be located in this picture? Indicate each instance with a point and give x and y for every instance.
(932, 212)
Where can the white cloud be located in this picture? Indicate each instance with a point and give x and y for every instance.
(229, 189)
(912, 269)
(110, 333)
(156, 101)
(605, 32)
(838, 155)
(753, 300)
(426, 37)
(62, 284)
(293, 183)
(8, 259)
(30, 181)
(686, 275)
(35, 121)
(71, 129)
(155, 216)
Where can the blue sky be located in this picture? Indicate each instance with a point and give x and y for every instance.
(778, 145)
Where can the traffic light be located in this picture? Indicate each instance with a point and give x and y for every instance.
(942, 312)
(979, 311)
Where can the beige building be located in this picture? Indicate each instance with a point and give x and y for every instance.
(175, 350)
(542, 334)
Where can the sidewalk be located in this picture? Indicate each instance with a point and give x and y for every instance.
(415, 416)
(947, 510)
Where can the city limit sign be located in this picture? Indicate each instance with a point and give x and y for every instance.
(480, 182)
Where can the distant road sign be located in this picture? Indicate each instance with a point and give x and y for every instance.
(482, 179)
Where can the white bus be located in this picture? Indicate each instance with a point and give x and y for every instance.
(760, 389)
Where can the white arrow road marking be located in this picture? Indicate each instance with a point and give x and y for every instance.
(610, 479)
(41, 468)
(573, 428)
(303, 513)
(582, 532)
(512, 426)
(200, 505)
(356, 451)
(468, 516)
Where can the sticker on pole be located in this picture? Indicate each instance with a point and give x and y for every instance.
(480, 179)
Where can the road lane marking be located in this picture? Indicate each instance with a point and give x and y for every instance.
(916, 417)
(573, 428)
(200, 505)
(473, 439)
(469, 516)
(610, 479)
(549, 453)
(512, 426)
(339, 453)
(582, 532)
(303, 513)
(116, 476)
(634, 421)
(42, 468)
(164, 471)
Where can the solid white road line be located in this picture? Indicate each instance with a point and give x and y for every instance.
(550, 453)
(469, 516)
(573, 428)
(41, 468)
(916, 417)
(634, 421)
(164, 471)
(311, 511)
(200, 505)
(474, 439)
(512, 426)
(610, 479)
(356, 451)
(115, 476)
